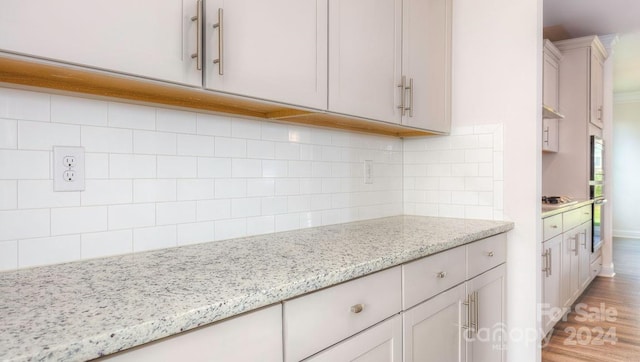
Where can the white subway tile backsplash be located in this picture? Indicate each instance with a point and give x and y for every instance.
(190, 145)
(96, 166)
(8, 194)
(131, 216)
(123, 115)
(18, 104)
(44, 135)
(230, 188)
(194, 233)
(36, 194)
(175, 212)
(245, 207)
(230, 147)
(246, 129)
(479, 155)
(195, 189)
(246, 168)
(19, 165)
(214, 167)
(260, 187)
(161, 177)
(171, 120)
(177, 167)
(228, 229)
(154, 190)
(53, 250)
(8, 255)
(132, 166)
(276, 168)
(287, 151)
(213, 125)
(76, 220)
(153, 143)
(8, 133)
(78, 111)
(260, 225)
(101, 139)
(22, 224)
(213, 210)
(97, 245)
(106, 192)
(261, 149)
(155, 238)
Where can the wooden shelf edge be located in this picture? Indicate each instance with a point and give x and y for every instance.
(33, 73)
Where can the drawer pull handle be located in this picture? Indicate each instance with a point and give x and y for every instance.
(357, 308)
(490, 254)
(441, 275)
(554, 226)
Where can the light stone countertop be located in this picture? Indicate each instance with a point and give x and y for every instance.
(551, 210)
(82, 310)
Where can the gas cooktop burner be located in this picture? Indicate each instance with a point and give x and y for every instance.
(555, 200)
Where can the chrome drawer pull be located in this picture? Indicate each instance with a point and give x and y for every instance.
(357, 308)
(441, 275)
(490, 254)
(554, 226)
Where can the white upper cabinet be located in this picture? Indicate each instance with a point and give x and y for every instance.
(390, 60)
(273, 50)
(364, 68)
(149, 38)
(426, 64)
(597, 88)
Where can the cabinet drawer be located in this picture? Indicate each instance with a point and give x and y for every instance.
(318, 320)
(585, 213)
(573, 218)
(485, 254)
(596, 267)
(551, 226)
(424, 278)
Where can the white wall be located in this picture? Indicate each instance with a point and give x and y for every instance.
(625, 150)
(498, 80)
(161, 178)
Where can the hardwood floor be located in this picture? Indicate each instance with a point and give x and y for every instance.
(604, 324)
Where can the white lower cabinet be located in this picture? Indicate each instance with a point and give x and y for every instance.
(551, 283)
(432, 329)
(382, 342)
(255, 336)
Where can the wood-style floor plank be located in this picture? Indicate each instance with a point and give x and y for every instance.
(578, 338)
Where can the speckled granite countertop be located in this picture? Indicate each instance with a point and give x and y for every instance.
(82, 310)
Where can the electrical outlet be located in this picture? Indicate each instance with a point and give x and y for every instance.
(368, 171)
(68, 169)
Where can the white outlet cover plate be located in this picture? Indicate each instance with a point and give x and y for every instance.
(59, 168)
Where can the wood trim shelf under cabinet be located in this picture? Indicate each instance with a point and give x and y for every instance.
(25, 72)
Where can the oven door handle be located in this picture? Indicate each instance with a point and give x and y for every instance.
(600, 201)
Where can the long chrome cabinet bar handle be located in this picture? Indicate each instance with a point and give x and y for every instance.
(220, 26)
(476, 301)
(410, 89)
(550, 262)
(577, 243)
(402, 97)
(545, 267)
(198, 19)
(467, 326)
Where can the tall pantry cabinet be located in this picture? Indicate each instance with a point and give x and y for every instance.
(581, 90)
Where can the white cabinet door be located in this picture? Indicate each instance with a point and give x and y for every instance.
(364, 63)
(585, 254)
(426, 63)
(570, 267)
(149, 38)
(550, 81)
(256, 336)
(432, 329)
(550, 136)
(487, 298)
(274, 50)
(380, 343)
(551, 309)
(596, 89)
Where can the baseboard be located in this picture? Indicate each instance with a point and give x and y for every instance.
(607, 271)
(630, 234)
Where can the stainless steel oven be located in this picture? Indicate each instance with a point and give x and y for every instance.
(596, 186)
